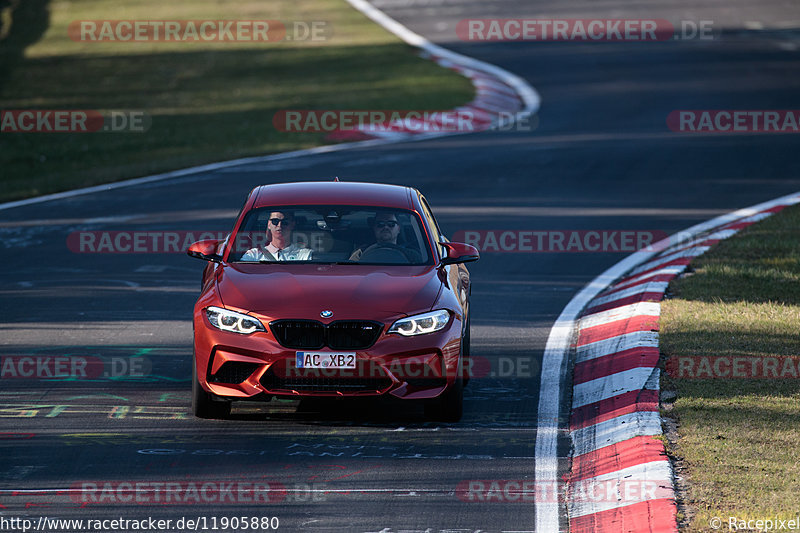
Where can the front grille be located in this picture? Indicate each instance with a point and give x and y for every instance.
(233, 372)
(353, 335)
(365, 378)
(313, 335)
(299, 334)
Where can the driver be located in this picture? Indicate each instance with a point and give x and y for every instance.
(386, 229)
(279, 236)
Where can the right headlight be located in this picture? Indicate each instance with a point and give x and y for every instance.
(228, 320)
(421, 324)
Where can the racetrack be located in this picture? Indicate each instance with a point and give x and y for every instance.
(601, 158)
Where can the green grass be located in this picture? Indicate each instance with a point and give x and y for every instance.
(207, 101)
(738, 438)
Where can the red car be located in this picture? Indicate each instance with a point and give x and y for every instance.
(332, 289)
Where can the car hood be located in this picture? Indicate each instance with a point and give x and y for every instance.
(350, 291)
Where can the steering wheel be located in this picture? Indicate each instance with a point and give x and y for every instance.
(385, 252)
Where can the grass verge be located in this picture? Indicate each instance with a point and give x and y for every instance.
(208, 101)
(738, 436)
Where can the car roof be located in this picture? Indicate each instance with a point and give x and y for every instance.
(333, 192)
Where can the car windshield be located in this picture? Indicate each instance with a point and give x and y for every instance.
(331, 234)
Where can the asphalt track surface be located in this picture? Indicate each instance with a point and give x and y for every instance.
(601, 158)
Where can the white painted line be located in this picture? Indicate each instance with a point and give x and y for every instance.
(188, 171)
(621, 313)
(626, 341)
(635, 484)
(606, 387)
(653, 286)
(615, 430)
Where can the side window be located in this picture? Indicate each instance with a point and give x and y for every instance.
(437, 234)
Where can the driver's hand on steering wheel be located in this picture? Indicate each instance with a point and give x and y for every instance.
(356, 256)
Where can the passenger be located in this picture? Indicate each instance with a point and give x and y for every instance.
(279, 237)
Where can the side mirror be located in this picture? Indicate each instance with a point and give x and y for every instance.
(458, 252)
(206, 250)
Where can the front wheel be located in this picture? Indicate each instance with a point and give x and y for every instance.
(465, 349)
(449, 406)
(202, 404)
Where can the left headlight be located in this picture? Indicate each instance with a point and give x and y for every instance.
(421, 324)
(227, 320)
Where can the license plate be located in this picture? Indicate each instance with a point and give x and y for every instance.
(345, 360)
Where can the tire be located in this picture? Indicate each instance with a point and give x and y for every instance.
(203, 406)
(465, 349)
(448, 407)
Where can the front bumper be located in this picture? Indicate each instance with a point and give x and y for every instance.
(234, 366)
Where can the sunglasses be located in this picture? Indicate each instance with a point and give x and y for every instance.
(279, 221)
(386, 224)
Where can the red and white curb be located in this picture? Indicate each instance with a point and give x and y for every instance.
(621, 477)
(500, 96)
(496, 103)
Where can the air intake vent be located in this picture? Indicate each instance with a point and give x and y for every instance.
(233, 372)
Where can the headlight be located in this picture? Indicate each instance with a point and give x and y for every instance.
(421, 324)
(232, 321)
